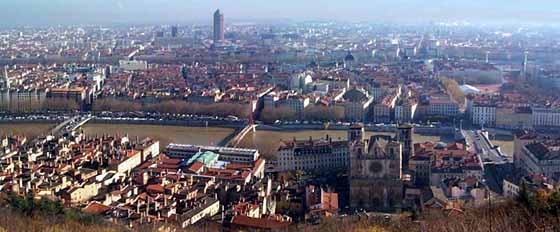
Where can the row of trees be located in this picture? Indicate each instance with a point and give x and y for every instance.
(30, 206)
(270, 114)
(324, 113)
(541, 201)
(174, 107)
(312, 113)
(31, 214)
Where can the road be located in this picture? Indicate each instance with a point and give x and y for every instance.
(70, 124)
(492, 158)
(477, 142)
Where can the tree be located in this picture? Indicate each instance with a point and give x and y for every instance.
(554, 203)
(60, 104)
(453, 89)
(115, 105)
(323, 113)
(30, 198)
(18, 203)
(50, 207)
(271, 114)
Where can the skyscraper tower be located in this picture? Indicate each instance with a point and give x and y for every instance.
(218, 26)
(174, 31)
(525, 60)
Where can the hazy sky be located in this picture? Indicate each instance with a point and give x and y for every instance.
(18, 12)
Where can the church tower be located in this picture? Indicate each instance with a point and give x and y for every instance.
(404, 136)
(356, 133)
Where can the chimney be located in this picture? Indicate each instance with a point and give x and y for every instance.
(147, 205)
(163, 180)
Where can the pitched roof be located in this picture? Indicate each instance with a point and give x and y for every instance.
(196, 166)
(96, 208)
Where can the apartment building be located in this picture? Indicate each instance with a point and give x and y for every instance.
(312, 155)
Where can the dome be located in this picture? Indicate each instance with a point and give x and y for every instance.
(355, 95)
(349, 57)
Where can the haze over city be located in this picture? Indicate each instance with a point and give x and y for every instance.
(40, 12)
(293, 115)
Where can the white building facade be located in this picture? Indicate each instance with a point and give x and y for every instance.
(546, 117)
(312, 155)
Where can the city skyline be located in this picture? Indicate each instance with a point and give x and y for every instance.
(254, 115)
(35, 12)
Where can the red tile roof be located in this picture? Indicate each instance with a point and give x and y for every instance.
(155, 188)
(329, 200)
(96, 208)
(196, 166)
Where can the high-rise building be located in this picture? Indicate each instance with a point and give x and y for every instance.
(218, 26)
(525, 60)
(174, 31)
